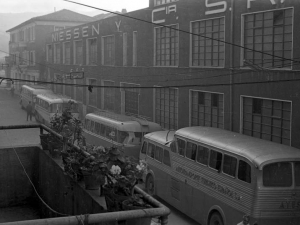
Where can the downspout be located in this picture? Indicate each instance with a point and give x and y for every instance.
(231, 94)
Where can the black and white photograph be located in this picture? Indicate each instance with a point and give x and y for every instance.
(149, 112)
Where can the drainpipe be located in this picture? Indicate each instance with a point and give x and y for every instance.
(231, 90)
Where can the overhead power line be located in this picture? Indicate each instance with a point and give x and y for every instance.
(183, 31)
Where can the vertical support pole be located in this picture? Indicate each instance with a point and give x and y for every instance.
(164, 220)
(41, 130)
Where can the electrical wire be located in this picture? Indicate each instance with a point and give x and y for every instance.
(183, 31)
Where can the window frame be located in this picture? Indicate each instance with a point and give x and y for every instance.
(177, 48)
(191, 44)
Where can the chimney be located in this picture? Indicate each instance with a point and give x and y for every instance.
(124, 11)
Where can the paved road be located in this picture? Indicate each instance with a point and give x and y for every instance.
(12, 114)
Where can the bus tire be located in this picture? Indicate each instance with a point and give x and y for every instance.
(216, 219)
(150, 187)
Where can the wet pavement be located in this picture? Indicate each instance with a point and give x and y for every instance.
(12, 114)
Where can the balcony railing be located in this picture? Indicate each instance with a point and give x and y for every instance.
(159, 210)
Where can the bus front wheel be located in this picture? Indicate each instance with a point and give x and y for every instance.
(216, 219)
(150, 185)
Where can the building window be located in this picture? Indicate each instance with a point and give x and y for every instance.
(13, 38)
(108, 96)
(57, 53)
(58, 88)
(92, 96)
(49, 53)
(67, 53)
(208, 48)
(130, 93)
(161, 2)
(32, 33)
(79, 90)
(166, 46)
(91, 52)
(21, 35)
(270, 32)
(267, 119)
(134, 48)
(68, 88)
(207, 109)
(125, 46)
(78, 53)
(166, 107)
(32, 58)
(108, 50)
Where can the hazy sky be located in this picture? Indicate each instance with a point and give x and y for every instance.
(47, 6)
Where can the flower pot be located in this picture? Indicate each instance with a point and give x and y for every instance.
(44, 141)
(114, 201)
(91, 182)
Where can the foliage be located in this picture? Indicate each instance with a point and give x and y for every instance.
(67, 125)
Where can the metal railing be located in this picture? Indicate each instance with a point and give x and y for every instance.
(159, 209)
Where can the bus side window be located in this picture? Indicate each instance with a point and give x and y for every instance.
(181, 146)
(244, 171)
(229, 165)
(97, 128)
(88, 124)
(167, 160)
(102, 130)
(92, 126)
(158, 153)
(215, 160)
(202, 156)
(144, 148)
(151, 149)
(191, 150)
(123, 137)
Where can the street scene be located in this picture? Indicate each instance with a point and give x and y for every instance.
(150, 112)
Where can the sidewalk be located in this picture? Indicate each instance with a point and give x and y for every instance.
(12, 114)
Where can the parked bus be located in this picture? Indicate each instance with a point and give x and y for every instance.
(126, 132)
(29, 93)
(49, 104)
(220, 177)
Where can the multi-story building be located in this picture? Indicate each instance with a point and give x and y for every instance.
(27, 41)
(227, 64)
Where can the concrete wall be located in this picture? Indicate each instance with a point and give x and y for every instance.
(15, 188)
(61, 192)
(58, 190)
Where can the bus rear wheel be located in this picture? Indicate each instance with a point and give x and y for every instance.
(216, 219)
(150, 188)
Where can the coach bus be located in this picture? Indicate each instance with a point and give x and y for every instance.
(47, 105)
(29, 93)
(109, 129)
(221, 177)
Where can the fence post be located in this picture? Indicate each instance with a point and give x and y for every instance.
(41, 130)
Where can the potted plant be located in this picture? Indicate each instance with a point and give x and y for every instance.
(124, 173)
(68, 126)
(94, 167)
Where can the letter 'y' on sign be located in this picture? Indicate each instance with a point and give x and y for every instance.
(118, 25)
(222, 7)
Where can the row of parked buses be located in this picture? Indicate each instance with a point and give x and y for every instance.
(216, 177)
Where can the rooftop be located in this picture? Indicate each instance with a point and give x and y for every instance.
(62, 15)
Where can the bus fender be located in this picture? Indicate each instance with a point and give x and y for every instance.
(218, 209)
